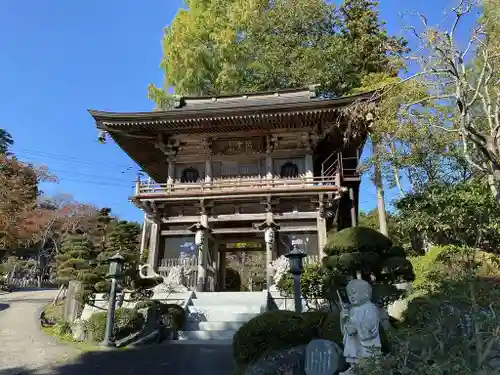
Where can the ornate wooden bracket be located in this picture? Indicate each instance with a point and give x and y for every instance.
(151, 209)
(198, 226)
(170, 146)
(269, 203)
(272, 142)
(310, 141)
(204, 206)
(208, 145)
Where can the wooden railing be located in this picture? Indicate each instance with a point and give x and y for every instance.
(237, 184)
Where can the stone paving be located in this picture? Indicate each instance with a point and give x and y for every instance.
(25, 349)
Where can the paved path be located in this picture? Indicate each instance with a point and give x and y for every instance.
(22, 344)
(25, 349)
(165, 359)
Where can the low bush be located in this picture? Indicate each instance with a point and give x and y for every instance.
(311, 283)
(127, 321)
(174, 314)
(272, 330)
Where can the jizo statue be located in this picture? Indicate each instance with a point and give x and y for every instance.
(360, 324)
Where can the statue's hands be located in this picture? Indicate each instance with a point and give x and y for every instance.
(344, 313)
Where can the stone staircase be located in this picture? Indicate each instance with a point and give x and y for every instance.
(214, 317)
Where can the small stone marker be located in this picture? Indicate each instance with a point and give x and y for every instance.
(322, 358)
(72, 305)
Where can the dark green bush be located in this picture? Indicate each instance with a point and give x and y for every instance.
(272, 330)
(172, 312)
(127, 321)
(325, 325)
(357, 239)
(176, 315)
(311, 282)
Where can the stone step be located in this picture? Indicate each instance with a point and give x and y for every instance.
(221, 317)
(229, 297)
(207, 335)
(198, 308)
(213, 326)
(200, 342)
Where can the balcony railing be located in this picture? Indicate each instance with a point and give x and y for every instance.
(235, 185)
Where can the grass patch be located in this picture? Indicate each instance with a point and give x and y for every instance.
(67, 339)
(62, 331)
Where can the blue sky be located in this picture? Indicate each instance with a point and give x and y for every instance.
(59, 58)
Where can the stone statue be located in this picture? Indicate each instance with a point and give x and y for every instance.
(360, 324)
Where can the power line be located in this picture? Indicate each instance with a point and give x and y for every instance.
(92, 176)
(98, 183)
(81, 164)
(49, 155)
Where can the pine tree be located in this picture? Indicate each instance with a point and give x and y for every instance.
(123, 239)
(75, 261)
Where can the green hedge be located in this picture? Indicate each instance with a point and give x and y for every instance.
(271, 330)
(127, 321)
(275, 330)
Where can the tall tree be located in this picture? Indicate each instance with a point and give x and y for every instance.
(471, 89)
(219, 47)
(18, 195)
(75, 262)
(6, 142)
(123, 239)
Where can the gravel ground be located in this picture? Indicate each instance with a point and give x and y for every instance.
(23, 346)
(26, 350)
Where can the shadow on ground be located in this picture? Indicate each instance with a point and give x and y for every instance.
(4, 306)
(153, 360)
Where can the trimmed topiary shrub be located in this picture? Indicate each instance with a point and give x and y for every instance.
(366, 253)
(127, 321)
(272, 330)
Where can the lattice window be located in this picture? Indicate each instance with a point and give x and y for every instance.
(190, 175)
(289, 170)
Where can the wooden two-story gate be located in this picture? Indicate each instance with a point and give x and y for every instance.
(253, 171)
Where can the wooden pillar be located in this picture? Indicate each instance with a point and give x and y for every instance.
(269, 227)
(144, 236)
(154, 244)
(202, 232)
(353, 210)
(208, 169)
(321, 224)
(171, 171)
(271, 144)
(309, 166)
(222, 268)
(207, 144)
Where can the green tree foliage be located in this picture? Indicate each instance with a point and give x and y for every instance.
(462, 214)
(74, 262)
(6, 142)
(360, 252)
(312, 285)
(123, 239)
(219, 47)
